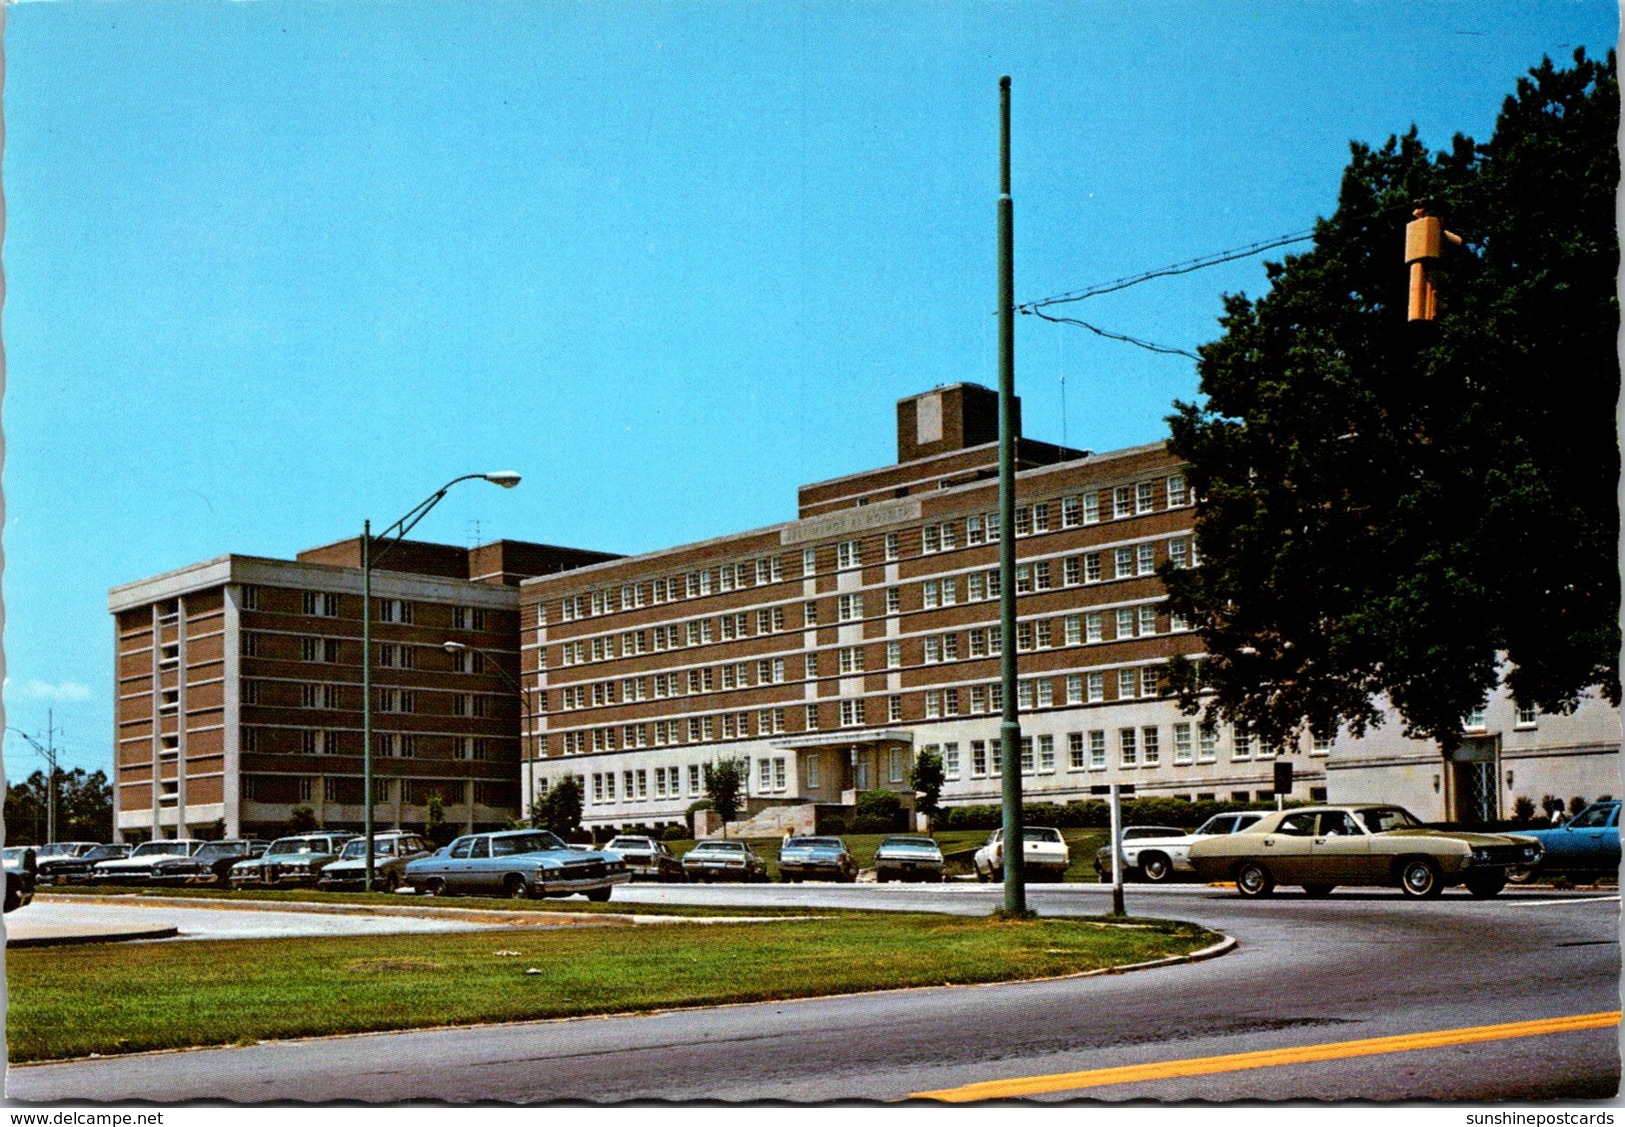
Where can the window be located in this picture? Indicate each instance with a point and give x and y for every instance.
(894, 600)
(978, 757)
(1041, 517)
(894, 709)
(1123, 501)
(949, 592)
(1179, 551)
(933, 704)
(892, 552)
(1024, 579)
(930, 594)
(950, 760)
(1128, 747)
(809, 666)
(1150, 681)
(809, 613)
(1320, 745)
(809, 561)
(1148, 619)
(949, 539)
(1150, 746)
(812, 718)
(324, 604)
(1096, 688)
(1074, 688)
(1241, 745)
(852, 659)
(1041, 575)
(975, 587)
(1143, 497)
(1127, 681)
(1176, 490)
(1124, 558)
(1091, 508)
(1071, 571)
(1071, 512)
(849, 608)
(250, 597)
(1097, 750)
(930, 539)
(1125, 622)
(1527, 718)
(1474, 719)
(1094, 626)
(894, 764)
(1145, 559)
(1026, 755)
(1182, 744)
(973, 530)
(852, 713)
(894, 655)
(1024, 521)
(848, 553)
(1074, 751)
(1092, 572)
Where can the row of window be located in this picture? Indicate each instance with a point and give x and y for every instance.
(1065, 512)
(331, 696)
(388, 655)
(979, 586)
(1136, 747)
(389, 745)
(325, 604)
(348, 790)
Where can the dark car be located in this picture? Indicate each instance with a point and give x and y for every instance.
(210, 865)
(816, 858)
(392, 851)
(1588, 844)
(19, 862)
(518, 864)
(646, 858)
(70, 868)
(724, 860)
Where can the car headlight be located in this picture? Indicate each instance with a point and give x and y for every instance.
(1480, 856)
(1531, 853)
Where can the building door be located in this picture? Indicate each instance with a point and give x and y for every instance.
(1473, 774)
(865, 780)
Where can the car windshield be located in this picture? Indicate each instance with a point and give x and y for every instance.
(102, 852)
(1381, 819)
(921, 842)
(58, 849)
(539, 842)
(219, 849)
(1134, 832)
(14, 853)
(297, 845)
(814, 843)
(1592, 817)
(162, 849)
(380, 847)
(630, 843)
(1031, 833)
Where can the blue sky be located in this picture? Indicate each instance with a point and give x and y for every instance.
(274, 268)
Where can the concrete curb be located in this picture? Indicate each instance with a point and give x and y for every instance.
(425, 911)
(78, 938)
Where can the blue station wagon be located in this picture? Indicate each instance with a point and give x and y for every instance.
(1588, 843)
(518, 864)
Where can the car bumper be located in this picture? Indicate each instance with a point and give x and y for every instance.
(542, 885)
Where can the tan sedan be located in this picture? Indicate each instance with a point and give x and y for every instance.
(1321, 847)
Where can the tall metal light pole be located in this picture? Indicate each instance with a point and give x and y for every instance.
(48, 753)
(505, 478)
(1015, 888)
(527, 713)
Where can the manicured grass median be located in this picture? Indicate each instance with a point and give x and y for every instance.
(114, 998)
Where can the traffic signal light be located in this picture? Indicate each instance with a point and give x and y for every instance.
(1425, 241)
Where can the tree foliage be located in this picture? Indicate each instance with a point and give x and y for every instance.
(559, 808)
(1415, 511)
(84, 807)
(724, 783)
(926, 777)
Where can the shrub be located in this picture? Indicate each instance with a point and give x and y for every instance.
(1523, 809)
(675, 832)
(877, 812)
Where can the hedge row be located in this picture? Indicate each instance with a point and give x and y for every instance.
(1095, 814)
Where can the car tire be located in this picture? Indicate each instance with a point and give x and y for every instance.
(1485, 885)
(515, 888)
(1254, 880)
(1522, 874)
(1419, 878)
(435, 887)
(1318, 891)
(1155, 867)
(600, 895)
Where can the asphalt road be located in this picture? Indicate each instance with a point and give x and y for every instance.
(1312, 983)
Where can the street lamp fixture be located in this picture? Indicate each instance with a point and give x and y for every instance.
(527, 717)
(394, 534)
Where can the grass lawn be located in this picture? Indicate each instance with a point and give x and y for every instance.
(117, 998)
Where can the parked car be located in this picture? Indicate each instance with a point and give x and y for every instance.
(723, 860)
(143, 860)
(646, 858)
(66, 869)
(55, 849)
(816, 858)
(909, 857)
(210, 865)
(517, 864)
(1157, 853)
(1587, 844)
(19, 863)
(297, 859)
(392, 851)
(1044, 855)
(1321, 847)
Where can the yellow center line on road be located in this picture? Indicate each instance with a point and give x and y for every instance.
(1235, 1062)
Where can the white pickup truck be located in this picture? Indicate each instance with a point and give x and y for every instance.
(1044, 855)
(1156, 853)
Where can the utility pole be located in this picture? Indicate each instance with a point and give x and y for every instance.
(1015, 851)
(48, 753)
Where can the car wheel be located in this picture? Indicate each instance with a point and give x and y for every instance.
(1155, 867)
(516, 888)
(599, 895)
(1318, 891)
(1521, 874)
(1254, 880)
(435, 887)
(1419, 878)
(1485, 885)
